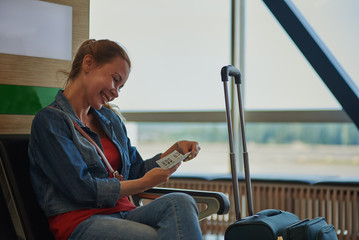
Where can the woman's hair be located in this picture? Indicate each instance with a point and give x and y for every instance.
(103, 51)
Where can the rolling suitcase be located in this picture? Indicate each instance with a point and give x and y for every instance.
(269, 223)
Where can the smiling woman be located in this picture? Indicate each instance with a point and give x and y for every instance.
(82, 197)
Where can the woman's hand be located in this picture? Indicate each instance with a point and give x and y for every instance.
(152, 178)
(157, 176)
(184, 147)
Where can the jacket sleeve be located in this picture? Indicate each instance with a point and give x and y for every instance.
(57, 159)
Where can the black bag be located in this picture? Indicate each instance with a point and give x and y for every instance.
(315, 229)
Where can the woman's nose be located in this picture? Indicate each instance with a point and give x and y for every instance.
(114, 92)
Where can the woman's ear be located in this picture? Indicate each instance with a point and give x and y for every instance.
(88, 63)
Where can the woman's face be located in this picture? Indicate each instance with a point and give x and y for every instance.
(104, 82)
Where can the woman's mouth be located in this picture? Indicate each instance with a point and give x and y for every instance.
(105, 98)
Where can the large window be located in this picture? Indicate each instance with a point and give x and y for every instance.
(151, 138)
(275, 149)
(178, 49)
(278, 77)
(336, 23)
(277, 74)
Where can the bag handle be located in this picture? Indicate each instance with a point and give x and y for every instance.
(116, 174)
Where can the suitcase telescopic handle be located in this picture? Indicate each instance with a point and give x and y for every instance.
(232, 72)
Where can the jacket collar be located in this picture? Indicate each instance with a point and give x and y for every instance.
(63, 103)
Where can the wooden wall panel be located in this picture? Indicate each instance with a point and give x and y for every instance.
(31, 71)
(44, 72)
(15, 124)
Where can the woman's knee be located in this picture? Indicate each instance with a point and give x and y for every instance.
(182, 200)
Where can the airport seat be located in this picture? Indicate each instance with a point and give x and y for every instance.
(22, 218)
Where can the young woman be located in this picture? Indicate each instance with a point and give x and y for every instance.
(77, 192)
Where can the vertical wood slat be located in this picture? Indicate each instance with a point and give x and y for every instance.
(355, 216)
(348, 213)
(276, 197)
(289, 199)
(309, 203)
(256, 198)
(317, 202)
(301, 203)
(321, 203)
(341, 214)
(339, 211)
(334, 218)
(327, 203)
(282, 197)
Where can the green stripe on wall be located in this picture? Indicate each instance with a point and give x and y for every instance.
(25, 100)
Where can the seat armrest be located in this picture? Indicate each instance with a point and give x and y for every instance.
(216, 202)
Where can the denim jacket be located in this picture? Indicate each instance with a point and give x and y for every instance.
(66, 171)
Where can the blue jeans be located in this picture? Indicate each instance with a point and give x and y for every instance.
(172, 216)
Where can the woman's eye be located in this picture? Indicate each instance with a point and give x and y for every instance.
(115, 79)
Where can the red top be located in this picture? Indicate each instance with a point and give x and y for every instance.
(64, 224)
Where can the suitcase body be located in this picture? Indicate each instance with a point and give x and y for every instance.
(266, 224)
(270, 224)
